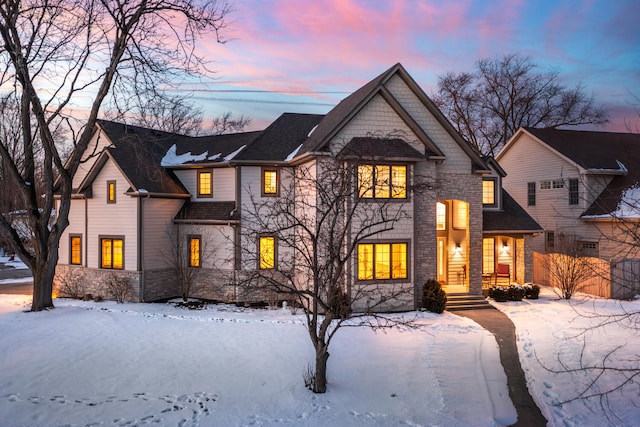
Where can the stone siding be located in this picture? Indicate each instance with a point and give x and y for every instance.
(80, 280)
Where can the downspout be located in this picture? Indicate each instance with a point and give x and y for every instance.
(86, 232)
(140, 233)
(141, 266)
(237, 230)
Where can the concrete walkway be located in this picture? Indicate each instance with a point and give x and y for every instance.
(504, 330)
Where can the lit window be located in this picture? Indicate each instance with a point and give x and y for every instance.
(382, 182)
(399, 182)
(382, 261)
(267, 252)
(270, 182)
(111, 191)
(441, 216)
(76, 249)
(365, 181)
(488, 192)
(112, 253)
(365, 262)
(399, 261)
(194, 251)
(545, 185)
(488, 255)
(205, 183)
(460, 214)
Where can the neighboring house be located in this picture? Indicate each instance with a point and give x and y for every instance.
(145, 192)
(580, 184)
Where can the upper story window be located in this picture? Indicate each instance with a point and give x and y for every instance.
(531, 193)
(111, 191)
(382, 181)
(270, 182)
(195, 253)
(552, 184)
(574, 195)
(489, 192)
(205, 183)
(460, 214)
(75, 248)
(441, 216)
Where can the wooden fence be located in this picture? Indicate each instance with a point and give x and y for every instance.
(616, 279)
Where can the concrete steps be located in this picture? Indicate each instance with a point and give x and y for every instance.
(457, 302)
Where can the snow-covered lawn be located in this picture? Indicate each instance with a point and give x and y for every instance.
(110, 364)
(552, 332)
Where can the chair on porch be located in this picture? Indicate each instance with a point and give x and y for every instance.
(503, 271)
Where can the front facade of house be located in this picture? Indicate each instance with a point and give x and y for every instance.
(150, 197)
(580, 184)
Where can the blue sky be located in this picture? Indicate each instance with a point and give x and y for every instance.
(306, 55)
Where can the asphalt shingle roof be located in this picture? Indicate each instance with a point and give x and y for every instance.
(278, 141)
(208, 211)
(138, 152)
(599, 152)
(512, 217)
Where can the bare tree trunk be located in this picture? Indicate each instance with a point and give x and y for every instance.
(43, 273)
(322, 355)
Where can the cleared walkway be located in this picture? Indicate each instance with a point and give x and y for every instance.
(504, 330)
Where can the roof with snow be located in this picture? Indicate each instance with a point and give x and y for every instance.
(604, 153)
(138, 151)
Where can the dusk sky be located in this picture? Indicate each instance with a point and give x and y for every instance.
(306, 55)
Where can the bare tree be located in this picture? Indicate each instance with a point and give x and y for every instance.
(311, 234)
(567, 267)
(163, 112)
(189, 246)
(503, 94)
(58, 54)
(226, 123)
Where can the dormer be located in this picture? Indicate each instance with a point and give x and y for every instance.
(492, 185)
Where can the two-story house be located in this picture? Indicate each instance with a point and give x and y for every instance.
(581, 184)
(142, 194)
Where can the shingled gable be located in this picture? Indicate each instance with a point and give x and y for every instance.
(340, 115)
(598, 153)
(387, 148)
(136, 152)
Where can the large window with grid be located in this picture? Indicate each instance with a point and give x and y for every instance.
(382, 261)
(112, 253)
(382, 181)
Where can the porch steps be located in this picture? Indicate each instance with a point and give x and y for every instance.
(457, 302)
